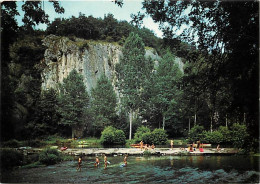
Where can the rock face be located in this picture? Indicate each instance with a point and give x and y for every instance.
(90, 58)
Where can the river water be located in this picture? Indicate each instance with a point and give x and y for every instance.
(154, 169)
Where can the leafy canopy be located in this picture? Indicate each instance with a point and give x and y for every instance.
(73, 99)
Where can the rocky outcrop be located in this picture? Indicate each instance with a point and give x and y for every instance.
(90, 58)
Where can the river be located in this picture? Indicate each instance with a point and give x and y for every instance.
(154, 169)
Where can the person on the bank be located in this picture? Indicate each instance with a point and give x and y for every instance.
(218, 147)
(172, 144)
(141, 145)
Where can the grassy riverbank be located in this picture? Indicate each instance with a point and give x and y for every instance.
(89, 142)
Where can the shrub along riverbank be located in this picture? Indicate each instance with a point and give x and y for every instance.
(235, 137)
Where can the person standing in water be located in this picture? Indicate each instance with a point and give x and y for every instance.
(105, 161)
(79, 163)
(97, 161)
(125, 160)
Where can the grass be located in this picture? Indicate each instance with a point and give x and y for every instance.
(179, 142)
(92, 142)
(129, 142)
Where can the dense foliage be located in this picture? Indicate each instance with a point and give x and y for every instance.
(21, 86)
(162, 93)
(103, 103)
(10, 158)
(139, 133)
(157, 136)
(50, 156)
(222, 77)
(46, 117)
(217, 86)
(108, 29)
(73, 103)
(236, 135)
(195, 133)
(131, 74)
(111, 135)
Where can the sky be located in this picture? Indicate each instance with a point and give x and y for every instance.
(97, 8)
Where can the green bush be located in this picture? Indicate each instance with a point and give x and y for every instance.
(119, 137)
(10, 158)
(239, 135)
(225, 133)
(147, 138)
(107, 136)
(196, 133)
(147, 153)
(139, 133)
(111, 135)
(214, 137)
(13, 143)
(35, 143)
(159, 136)
(50, 156)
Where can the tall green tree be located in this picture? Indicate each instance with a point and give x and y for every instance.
(130, 74)
(74, 103)
(45, 119)
(103, 102)
(10, 32)
(163, 89)
(33, 15)
(226, 32)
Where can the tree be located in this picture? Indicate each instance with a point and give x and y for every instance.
(130, 74)
(162, 89)
(45, 119)
(73, 103)
(227, 34)
(103, 102)
(10, 32)
(33, 15)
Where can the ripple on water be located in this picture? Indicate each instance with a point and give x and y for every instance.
(143, 170)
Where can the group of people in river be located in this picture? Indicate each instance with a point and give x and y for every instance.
(97, 162)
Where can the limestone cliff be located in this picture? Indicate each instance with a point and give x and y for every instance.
(90, 58)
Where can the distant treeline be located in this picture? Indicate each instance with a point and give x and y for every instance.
(109, 29)
(112, 30)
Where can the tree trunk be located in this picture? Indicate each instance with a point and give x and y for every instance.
(195, 119)
(189, 124)
(77, 131)
(163, 122)
(211, 118)
(226, 120)
(73, 131)
(130, 126)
